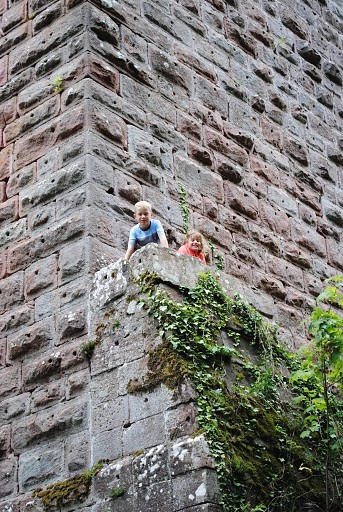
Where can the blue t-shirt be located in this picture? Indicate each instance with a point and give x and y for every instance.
(139, 237)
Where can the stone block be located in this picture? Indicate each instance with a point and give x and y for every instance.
(147, 100)
(239, 37)
(14, 407)
(46, 395)
(13, 39)
(40, 466)
(9, 210)
(6, 159)
(34, 338)
(200, 66)
(143, 405)
(189, 455)
(109, 125)
(19, 180)
(168, 23)
(48, 16)
(266, 239)
(10, 381)
(284, 201)
(188, 126)
(64, 29)
(8, 476)
(241, 200)
(72, 357)
(17, 318)
(149, 149)
(62, 419)
(157, 496)
(42, 369)
(11, 292)
(285, 271)
(40, 276)
(107, 445)
(110, 414)
(248, 252)
(72, 323)
(151, 466)
(36, 117)
(211, 96)
(46, 305)
(334, 250)
(77, 382)
(308, 238)
(274, 219)
(144, 434)
(225, 146)
(195, 488)
(205, 182)
(217, 234)
(77, 453)
(3, 70)
(38, 142)
(44, 244)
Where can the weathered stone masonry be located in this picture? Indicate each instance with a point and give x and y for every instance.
(107, 102)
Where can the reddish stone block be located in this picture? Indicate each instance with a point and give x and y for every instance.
(241, 200)
(6, 158)
(271, 133)
(9, 378)
(36, 144)
(238, 36)
(188, 126)
(40, 276)
(3, 195)
(221, 144)
(3, 70)
(9, 210)
(274, 219)
(240, 136)
(200, 154)
(32, 339)
(202, 67)
(8, 112)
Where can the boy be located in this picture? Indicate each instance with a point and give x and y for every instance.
(147, 231)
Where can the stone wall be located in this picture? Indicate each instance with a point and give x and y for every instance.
(107, 102)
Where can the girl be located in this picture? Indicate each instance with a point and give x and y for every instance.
(193, 245)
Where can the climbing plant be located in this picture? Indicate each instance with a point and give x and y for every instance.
(184, 207)
(241, 372)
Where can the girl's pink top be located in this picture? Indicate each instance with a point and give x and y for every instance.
(184, 249)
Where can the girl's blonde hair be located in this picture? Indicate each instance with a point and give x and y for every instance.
(198, 235)
(143, 204)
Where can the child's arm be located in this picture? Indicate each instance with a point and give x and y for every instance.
(129, 252)
(163, 240)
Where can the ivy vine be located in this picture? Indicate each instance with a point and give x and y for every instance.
(271, 454)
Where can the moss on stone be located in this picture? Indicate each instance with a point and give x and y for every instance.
(73, 489)
(165, 366)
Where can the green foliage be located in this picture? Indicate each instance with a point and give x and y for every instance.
(116, 493)
(184, 207)
(87, 348)
(217, 258)
(115, 324)
(58, 84)
(281, 41)
(318, 382)
(263, 460)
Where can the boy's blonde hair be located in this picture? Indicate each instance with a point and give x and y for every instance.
(143, 204)
(198, 235)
